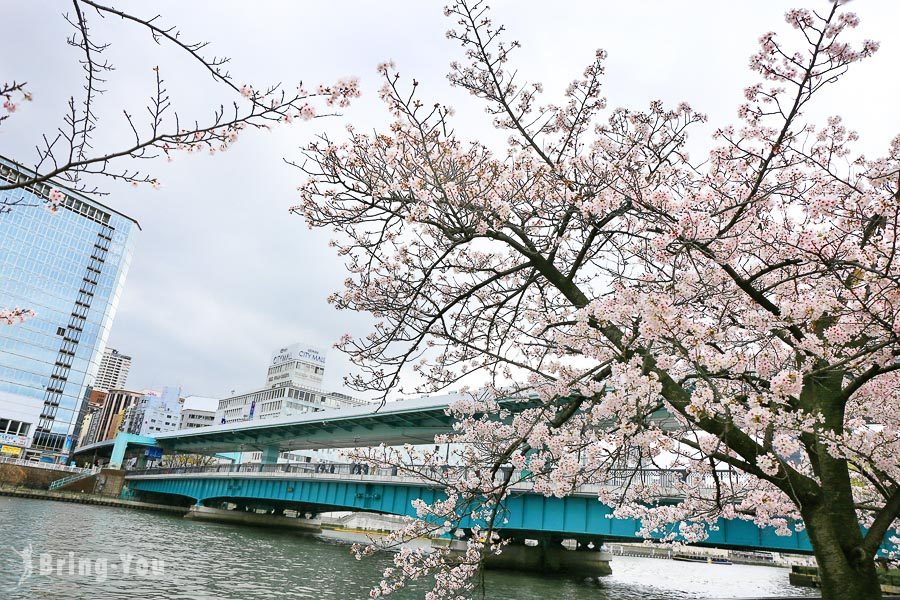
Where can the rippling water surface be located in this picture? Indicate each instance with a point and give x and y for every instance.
(211, 562)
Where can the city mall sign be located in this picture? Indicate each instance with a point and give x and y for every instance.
(299, 352)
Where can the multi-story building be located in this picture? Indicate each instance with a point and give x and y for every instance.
(110, 416)
(197, 411)
(88, 428)
(280, 402)
(68, 265)
(153, 413)
(113, 372)
(293, 387)
(296, 365)
(96, 400)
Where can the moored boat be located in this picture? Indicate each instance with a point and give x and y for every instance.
(710, 560)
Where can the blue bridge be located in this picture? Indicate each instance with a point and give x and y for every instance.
(305, 488)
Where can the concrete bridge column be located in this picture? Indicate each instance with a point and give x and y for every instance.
(251, 517)
(581, 561)
(120, 447)
(118, 452)
(270, 455)
(548, 556)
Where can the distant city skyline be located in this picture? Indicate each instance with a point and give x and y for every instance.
(222, 274)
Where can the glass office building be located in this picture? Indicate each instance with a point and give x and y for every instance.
(68, 266)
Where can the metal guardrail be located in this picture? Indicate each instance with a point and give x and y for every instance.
(672, 478)
(664, 478)
(55, 485)
(41, 465)
(309, 468)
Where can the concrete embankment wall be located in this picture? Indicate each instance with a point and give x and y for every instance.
(809, 577)
(108, 482)
(29, 477)
(82, 498)
(773, 559)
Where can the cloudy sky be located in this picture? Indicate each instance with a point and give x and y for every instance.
(222, 275)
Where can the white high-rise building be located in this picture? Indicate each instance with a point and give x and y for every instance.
(293, 387)
(113, 371)
(154, 413)
(299, 365)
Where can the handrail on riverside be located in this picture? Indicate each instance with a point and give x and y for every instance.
(41, 465)
(666, 478)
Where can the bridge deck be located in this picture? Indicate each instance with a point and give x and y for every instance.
(396, 423)
(299, 487)
(665, 481)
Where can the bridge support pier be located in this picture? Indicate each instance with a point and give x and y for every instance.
(547, 556)
(581, 561)
(239, 517)
(270, 455)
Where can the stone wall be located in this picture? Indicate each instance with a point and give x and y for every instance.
(29, 477)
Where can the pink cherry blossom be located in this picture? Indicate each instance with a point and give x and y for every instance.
(731, 318)
(11, 316)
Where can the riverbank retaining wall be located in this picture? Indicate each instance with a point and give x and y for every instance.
(809, 577)
(29, 477)
(82, 498)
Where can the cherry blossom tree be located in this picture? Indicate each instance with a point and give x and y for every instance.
(187, 460)
(70, 154)
(594, 268)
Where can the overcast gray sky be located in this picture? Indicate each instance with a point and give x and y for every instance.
(222, 275)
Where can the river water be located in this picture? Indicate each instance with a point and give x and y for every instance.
(121, 553)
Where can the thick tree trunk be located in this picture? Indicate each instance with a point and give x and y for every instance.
(845, 572)
(846, 569)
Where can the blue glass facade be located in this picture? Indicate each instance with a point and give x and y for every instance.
(69, 266)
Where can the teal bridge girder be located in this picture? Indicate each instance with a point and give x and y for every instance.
(117, 448)
(415, 421)
(526, 514)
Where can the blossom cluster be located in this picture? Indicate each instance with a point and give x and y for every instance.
(656, 327)
(266, 107)
(11, 316)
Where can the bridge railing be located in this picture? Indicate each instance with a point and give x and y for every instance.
(59, 483)
(311, 468)
(668, 479)
(673, 478)
(41, 465)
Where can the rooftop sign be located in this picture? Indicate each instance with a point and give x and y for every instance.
(299, 352)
